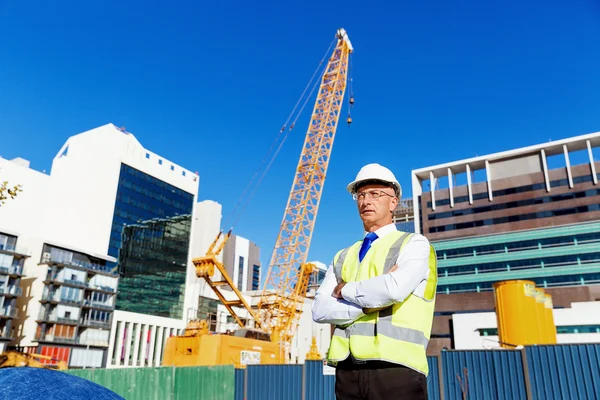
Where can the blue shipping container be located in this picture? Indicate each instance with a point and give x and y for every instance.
(274, 382)
(240, 376)
(433, 379)
(483, 374)
(564, 371)
(318, 386)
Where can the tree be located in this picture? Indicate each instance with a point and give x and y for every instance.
(7, 192)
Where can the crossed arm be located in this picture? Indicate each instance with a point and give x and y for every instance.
(344, 303)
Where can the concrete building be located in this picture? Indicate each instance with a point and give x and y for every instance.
(530, 213)
(12, 259)
(103, 197)
(404, 216)
(317, 276)
(241, 258)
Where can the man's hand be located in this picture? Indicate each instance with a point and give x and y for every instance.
(337, 291)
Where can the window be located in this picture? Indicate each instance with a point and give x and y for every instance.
(7, 242)
(160, 162)
(255, 276)
(240, 273)
(517, 218)
(516, 204)
(70, 294)
(515, 190)
(148, 155)
(172, 168)
(183, 173)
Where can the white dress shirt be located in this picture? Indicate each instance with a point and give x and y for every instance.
(410, 277)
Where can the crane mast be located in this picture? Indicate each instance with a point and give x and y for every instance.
(280, 304)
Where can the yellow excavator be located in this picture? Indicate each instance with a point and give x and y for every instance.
(276, 314)
(13, 358)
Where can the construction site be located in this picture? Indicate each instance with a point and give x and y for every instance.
(180, 307)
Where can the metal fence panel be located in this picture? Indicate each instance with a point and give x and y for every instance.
(564, 371)
(483, 374)
(318, 386)
(215, 382)
(133, 383)
(433, 379)
(240, 375)
(274, 382)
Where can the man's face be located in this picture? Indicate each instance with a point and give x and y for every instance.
(375, 204)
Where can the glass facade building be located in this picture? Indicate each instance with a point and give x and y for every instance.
(559, 256)
(150, 237)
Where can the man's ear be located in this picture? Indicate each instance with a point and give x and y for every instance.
(394, 202)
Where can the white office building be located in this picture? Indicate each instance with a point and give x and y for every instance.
(107, 198)
(241, 258)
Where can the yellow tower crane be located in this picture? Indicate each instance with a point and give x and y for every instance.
(280, 305)
(278, 310)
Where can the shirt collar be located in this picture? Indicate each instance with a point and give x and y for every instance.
(385, 230)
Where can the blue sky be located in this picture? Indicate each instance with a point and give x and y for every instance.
(209, 84)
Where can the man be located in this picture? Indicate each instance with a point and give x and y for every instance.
(379, 296)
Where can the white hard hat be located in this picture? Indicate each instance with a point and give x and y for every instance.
(378, 174)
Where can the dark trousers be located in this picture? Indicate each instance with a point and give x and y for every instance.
(377, 380)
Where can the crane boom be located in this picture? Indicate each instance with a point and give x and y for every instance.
(280, 305)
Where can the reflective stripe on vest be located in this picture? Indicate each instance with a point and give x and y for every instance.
(385, 327)
(390, 260)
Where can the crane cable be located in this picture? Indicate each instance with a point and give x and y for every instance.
(277, 137)
(271, 162)
(351, 88)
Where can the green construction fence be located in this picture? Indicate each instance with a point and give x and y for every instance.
(165, 383)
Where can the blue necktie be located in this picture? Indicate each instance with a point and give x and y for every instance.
(370, 238)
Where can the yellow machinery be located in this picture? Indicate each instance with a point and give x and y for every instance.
(17, 359)
(522, 314)
(280, 305)
(550, 337)
(198, 347)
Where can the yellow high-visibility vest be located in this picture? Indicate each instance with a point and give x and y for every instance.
(399, 333)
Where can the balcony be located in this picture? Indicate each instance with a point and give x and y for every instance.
(11, 270)
(56, 319)
(98, 304)
(105, 289)
(61, 281)
(57, 339)
(15, 251)
(11, 291)
(95, 324)
(82, 266)
(71, 302)
(94, 342)
(55, 298)
(10, 312)
(51, 297)
(5, 336)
